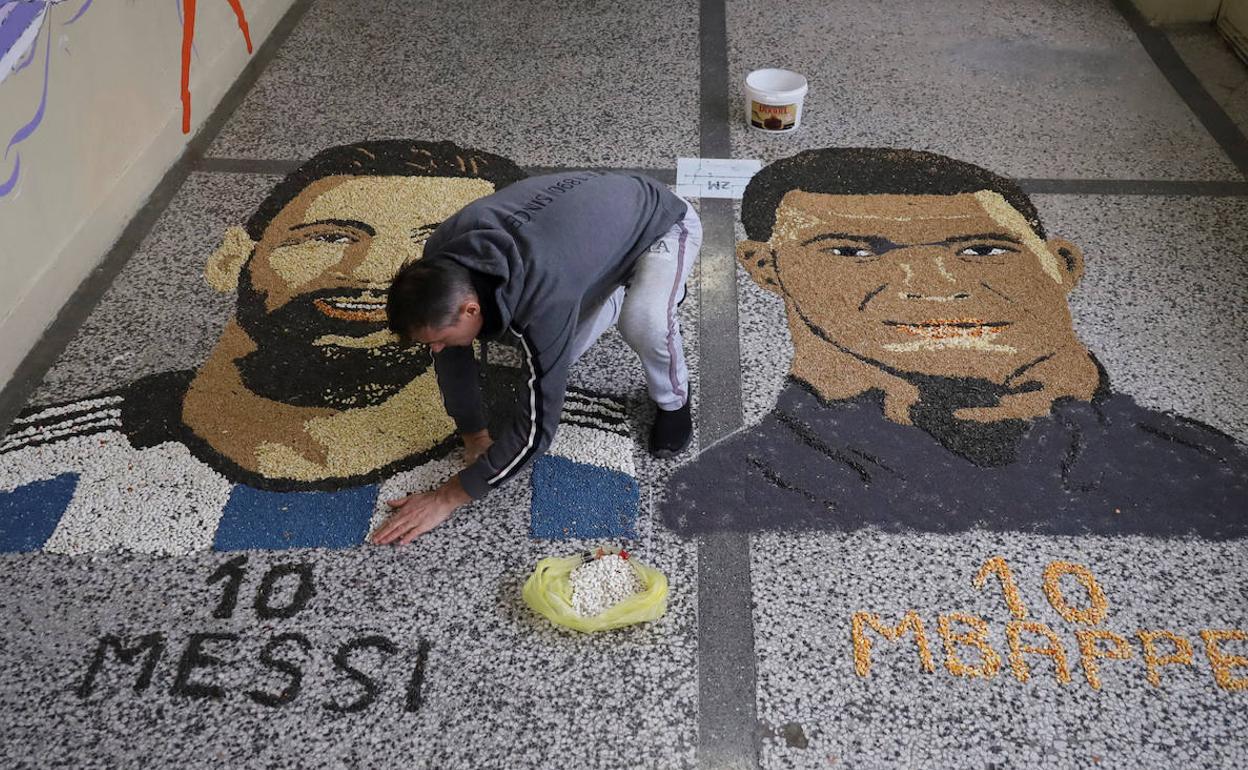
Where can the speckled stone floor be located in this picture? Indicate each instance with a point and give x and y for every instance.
(779, 649)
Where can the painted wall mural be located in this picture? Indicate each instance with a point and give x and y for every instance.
(937, 383)
(22, 22)
(307, 404)
(186, 12)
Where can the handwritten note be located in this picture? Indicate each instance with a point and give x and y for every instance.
(714, 177)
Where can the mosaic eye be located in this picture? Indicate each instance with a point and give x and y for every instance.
(333, 238)
(849, 251)
(982, 251)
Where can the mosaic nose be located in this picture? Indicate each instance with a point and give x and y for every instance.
(928, 276)
(383, 258)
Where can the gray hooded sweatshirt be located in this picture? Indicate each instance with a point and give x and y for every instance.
(545, 252)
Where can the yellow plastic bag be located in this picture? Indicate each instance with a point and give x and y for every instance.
(548, 592)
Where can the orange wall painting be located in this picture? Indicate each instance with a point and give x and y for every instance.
(187, 8)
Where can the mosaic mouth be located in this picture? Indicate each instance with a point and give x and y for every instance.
(365, 308)
(946, 328)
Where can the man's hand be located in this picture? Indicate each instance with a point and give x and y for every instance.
(418, 513)
(475, 445)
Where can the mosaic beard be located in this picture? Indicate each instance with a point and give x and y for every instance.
(987, 444)
(287, 366)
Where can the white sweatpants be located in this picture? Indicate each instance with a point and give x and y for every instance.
(644, 310)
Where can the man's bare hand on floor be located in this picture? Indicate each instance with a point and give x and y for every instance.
(418, 513)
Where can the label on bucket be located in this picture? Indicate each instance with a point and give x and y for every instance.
(773, 117)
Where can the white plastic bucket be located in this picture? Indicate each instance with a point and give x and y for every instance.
(773, 100)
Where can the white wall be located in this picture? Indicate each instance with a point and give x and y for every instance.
(111, 129)
(1176, 11)
(1233, 21)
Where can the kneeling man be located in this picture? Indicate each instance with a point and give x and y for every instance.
(551, 261)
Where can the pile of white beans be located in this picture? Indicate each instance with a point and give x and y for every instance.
(602, 583)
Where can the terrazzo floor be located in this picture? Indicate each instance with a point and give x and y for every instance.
(425, 656)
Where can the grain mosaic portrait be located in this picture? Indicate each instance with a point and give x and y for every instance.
(282, 435)
(935, 381)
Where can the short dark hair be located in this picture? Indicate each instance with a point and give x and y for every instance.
(426, 295)
(870, 171)
(389, 157)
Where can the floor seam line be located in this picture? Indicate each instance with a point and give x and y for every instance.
(1211, 188)
(274, 166)
(1229, 137)
(728, 733)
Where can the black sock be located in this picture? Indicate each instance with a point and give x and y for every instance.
(672, 431)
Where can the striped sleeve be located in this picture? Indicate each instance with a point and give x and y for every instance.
(532, 428)
(60, 422)
(459, 382)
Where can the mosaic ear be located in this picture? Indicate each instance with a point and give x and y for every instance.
(760, 262)
(226, 263)
(1069, 260)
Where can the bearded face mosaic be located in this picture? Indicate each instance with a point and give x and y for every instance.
(936, 381)
(283, 434)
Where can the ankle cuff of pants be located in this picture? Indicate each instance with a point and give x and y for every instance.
(673, 405)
